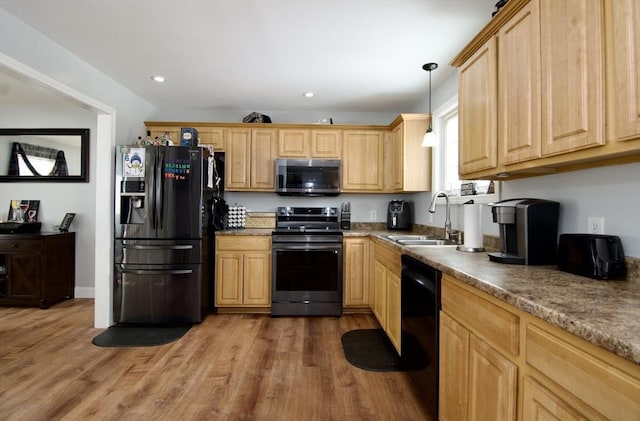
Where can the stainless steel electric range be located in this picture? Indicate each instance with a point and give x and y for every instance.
(307, 262)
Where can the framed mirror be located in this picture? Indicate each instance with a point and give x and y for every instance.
(54, 155)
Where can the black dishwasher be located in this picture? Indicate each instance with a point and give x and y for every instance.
(420, 305)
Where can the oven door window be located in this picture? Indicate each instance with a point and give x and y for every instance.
(307, 270)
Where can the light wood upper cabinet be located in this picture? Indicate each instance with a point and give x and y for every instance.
(326, 143)
(519, 87)
(362, 161)
(305, 143)
(566, 73)
(623, 62)
(356, 272)
(250, 159)
(477, 111)
(573, 103)
(294, 143)
(407, 163)
(207, 135)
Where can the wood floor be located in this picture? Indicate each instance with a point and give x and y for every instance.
(230, 367)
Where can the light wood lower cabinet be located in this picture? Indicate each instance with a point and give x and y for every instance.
(477, 382)
(386, 294)
(243, 271)
(356, 272)
(500, 363)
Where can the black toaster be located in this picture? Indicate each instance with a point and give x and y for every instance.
(592, 255)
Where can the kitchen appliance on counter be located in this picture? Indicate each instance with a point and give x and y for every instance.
(593, 255)
(306, 262)
(399, 215)
(158, 235)
(345, 216)
(528, 231)
(308, 177)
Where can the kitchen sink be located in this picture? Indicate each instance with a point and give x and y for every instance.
(420, 240)
(409, 237)
(430, 242)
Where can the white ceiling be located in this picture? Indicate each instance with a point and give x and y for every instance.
(356, 55)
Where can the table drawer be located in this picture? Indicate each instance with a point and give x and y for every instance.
(19, 246)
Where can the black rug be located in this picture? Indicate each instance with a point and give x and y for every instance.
(371, 349)
(132, 336)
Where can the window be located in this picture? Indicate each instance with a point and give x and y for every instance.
(445, 126)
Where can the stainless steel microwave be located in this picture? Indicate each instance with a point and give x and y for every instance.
(308, 177)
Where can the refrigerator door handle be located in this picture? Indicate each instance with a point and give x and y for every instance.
(154, 209)
(157, 272)
(177, 247)
(160, 172)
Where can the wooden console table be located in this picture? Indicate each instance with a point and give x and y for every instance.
(37, 269)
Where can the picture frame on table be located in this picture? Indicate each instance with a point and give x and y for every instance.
(66, 222)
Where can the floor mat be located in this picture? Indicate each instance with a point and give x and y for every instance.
(371, 349)
(132, 336)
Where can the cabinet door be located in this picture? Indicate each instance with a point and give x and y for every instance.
(356, 272)
(572, 75)
(380, 293)
(263, 153)
(213, 136)
(492, 383)
(326, 143)
(238, 152)
(293, 143)
(393, 309)
(23, 275)
(229, 275)
(393, 152)
(157, 131)
(454, 370)
(362, 160)
(519, 91)
(477, 111)
(623, 60)
(540, 404)
(257, 276)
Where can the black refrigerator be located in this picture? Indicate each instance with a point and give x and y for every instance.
(158, 235)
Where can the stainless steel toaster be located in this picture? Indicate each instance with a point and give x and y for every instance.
(592, 255)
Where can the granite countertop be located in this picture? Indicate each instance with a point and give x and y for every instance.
(605, 313)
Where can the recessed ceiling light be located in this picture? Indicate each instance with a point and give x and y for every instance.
(158, 78)
(308, 94)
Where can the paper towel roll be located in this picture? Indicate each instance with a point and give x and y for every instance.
(473, 226)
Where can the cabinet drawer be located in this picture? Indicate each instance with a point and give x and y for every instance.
(243, 243)
(605, 388)
(388, 257)
(19, 246)
(489, 321)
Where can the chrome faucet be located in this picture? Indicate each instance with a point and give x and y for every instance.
(447, 222)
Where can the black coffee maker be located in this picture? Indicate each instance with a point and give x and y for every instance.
(528, 231)
(399, 215)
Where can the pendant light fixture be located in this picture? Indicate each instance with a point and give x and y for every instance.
(429, 139)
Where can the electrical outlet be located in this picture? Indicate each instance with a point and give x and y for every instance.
(595, 225)
(373, 215)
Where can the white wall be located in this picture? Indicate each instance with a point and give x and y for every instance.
(119, 115)
(610, 192)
